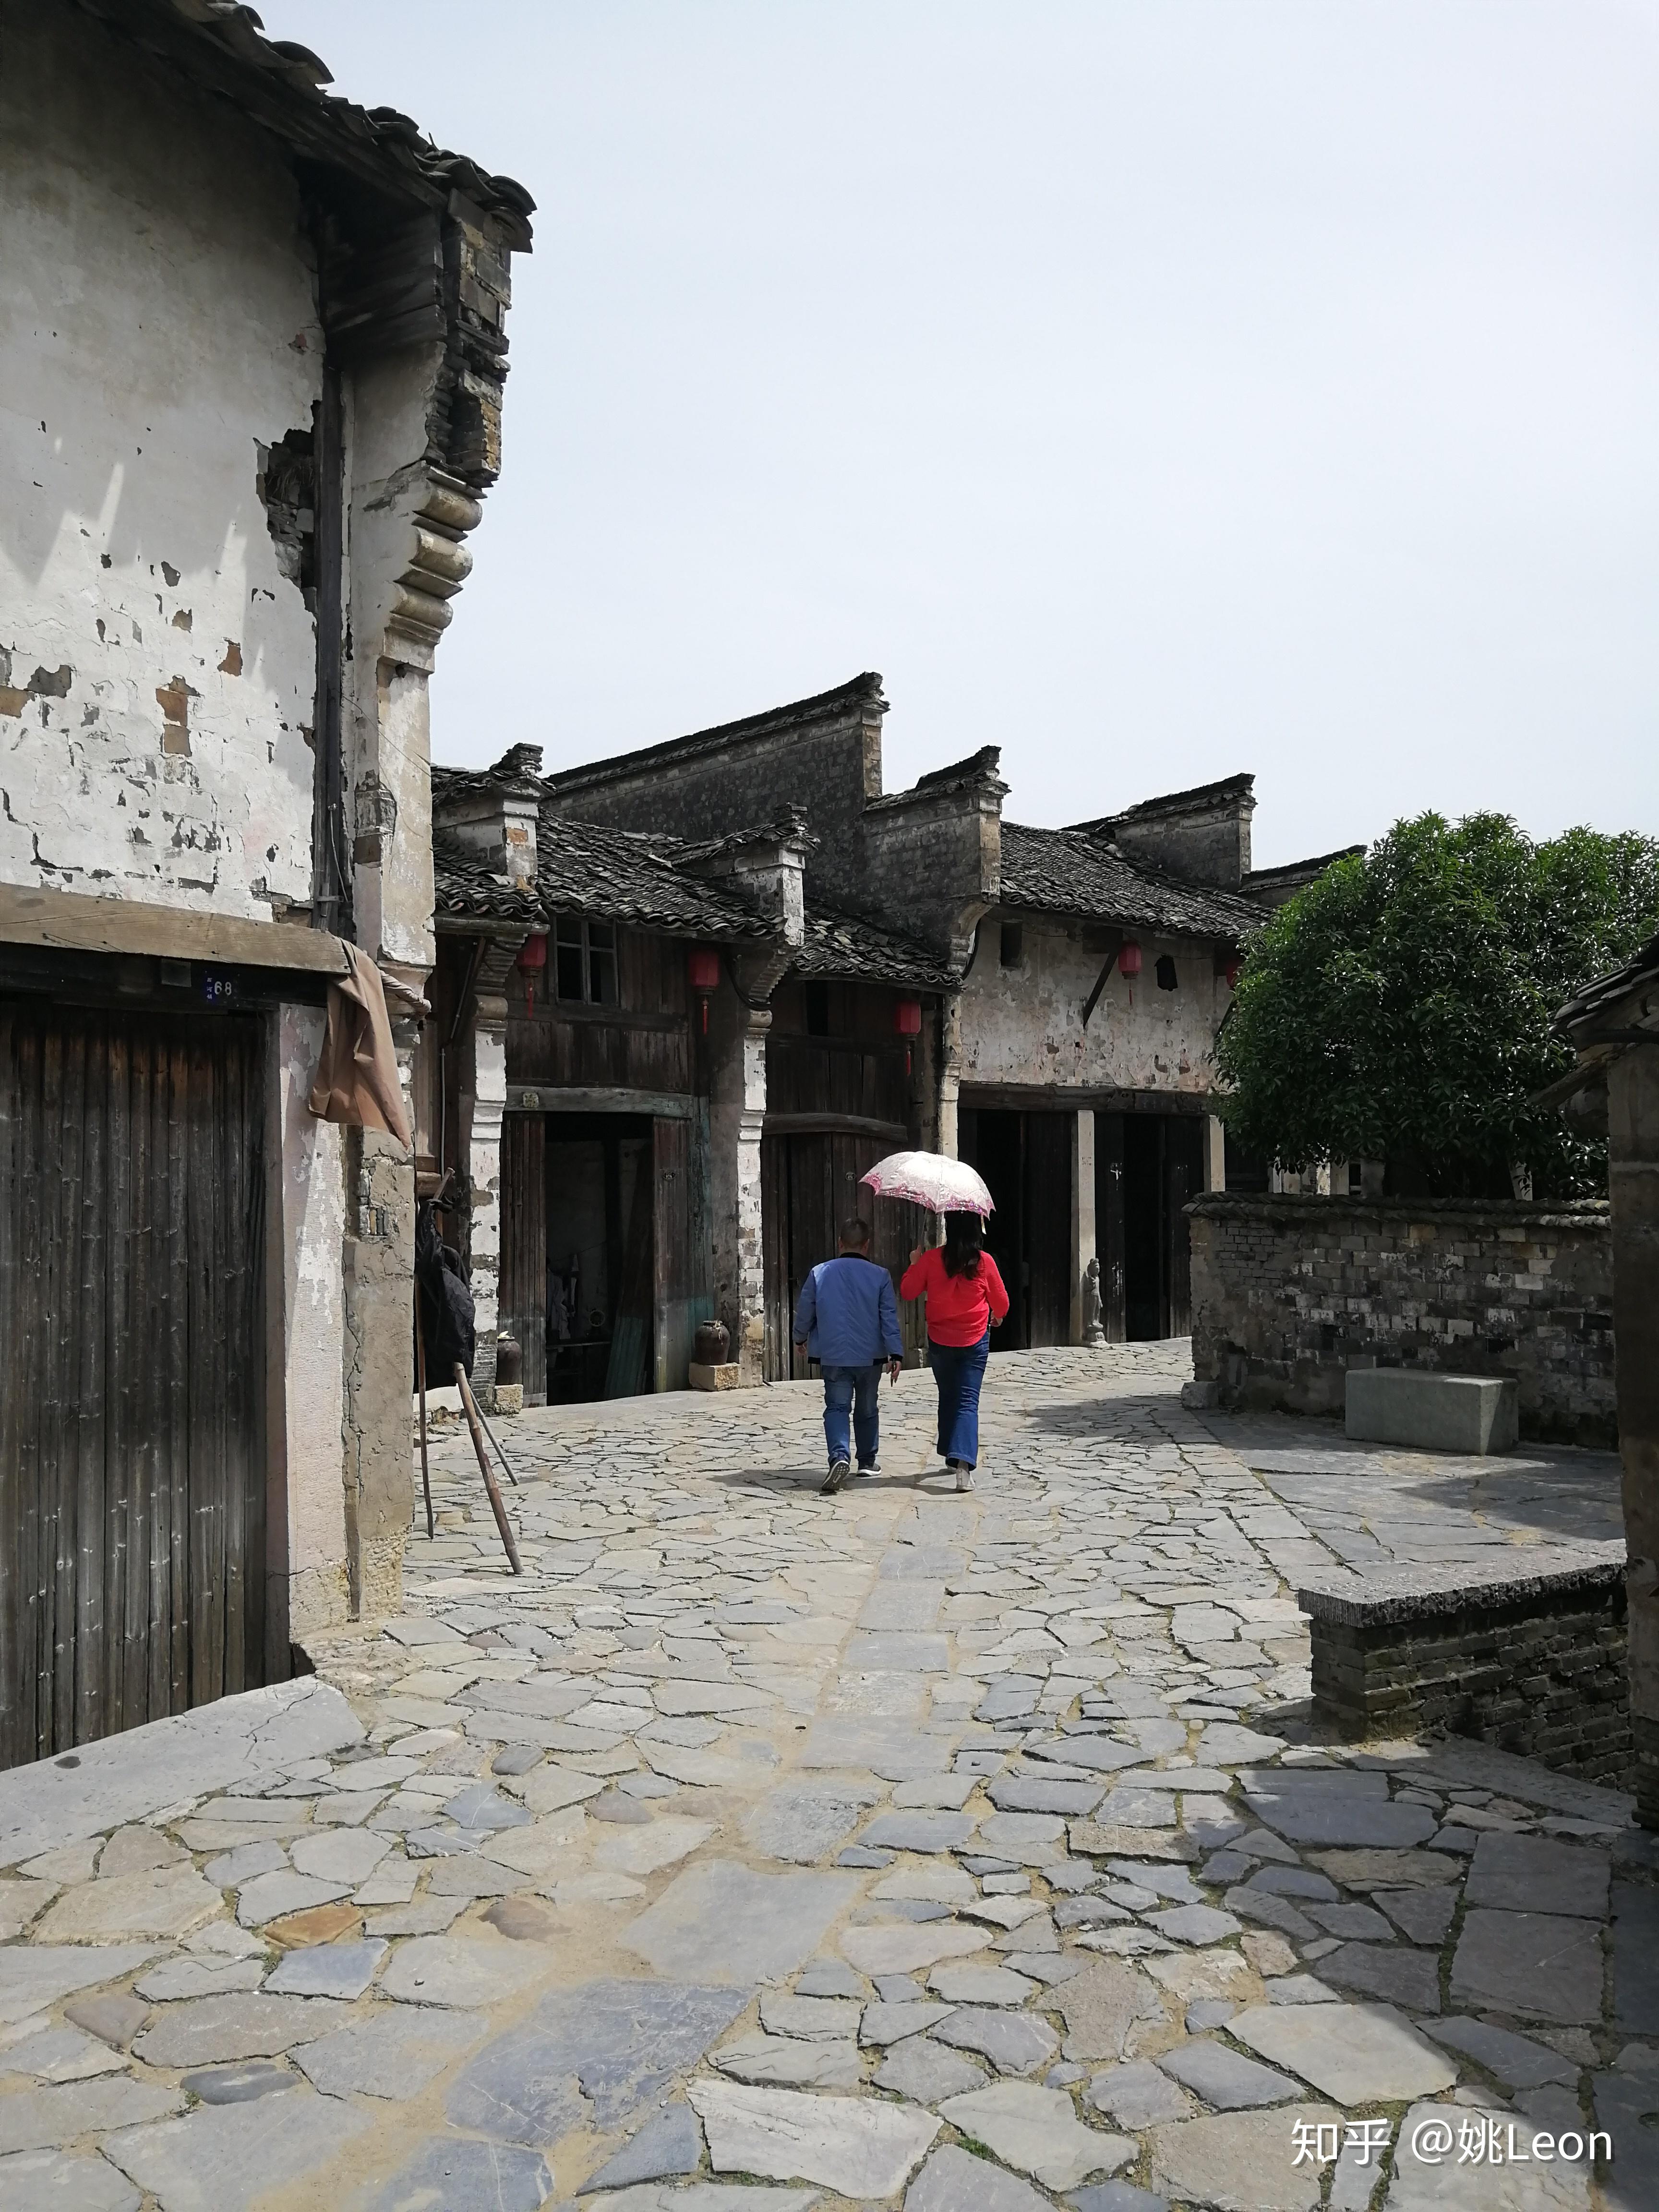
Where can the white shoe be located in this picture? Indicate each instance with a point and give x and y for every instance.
(964, 1476)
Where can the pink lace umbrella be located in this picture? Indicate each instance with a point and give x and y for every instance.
(929, 1179)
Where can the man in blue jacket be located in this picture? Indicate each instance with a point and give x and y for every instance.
(848, 1320)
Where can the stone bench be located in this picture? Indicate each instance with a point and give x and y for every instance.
(1432, 1412)
(1528, 1654)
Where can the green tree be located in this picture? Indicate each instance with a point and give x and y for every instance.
(1398, 1009)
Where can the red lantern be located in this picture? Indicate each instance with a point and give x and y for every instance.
(1235, 967)
(532, 955)
(1128, 962)
(906, 1020)
(703, 967)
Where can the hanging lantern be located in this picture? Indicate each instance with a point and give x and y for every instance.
(1128, 962)
(532, 956)
(906, 1020)
(1235, 967)
(703, 967)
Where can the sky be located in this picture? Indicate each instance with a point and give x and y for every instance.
(1156, 391)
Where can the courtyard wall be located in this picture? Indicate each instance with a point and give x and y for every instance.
(1290, 1291)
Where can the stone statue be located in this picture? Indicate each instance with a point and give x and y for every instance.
(1092, 1331)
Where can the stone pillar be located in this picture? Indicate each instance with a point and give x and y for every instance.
(307, 1549)
(949, 1074)
(482, 1087)
(1633, 1185)
(738, 1025)
(378, 1268)
(1083, 1216)
(1215, 1153)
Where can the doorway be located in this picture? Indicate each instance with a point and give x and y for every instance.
(809, 1186)
(1146, 1168)
(1025, 1159)
(132, 1459)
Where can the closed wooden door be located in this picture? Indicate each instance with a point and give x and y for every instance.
(810, 1186)
(1183, 1174)
(682, 1255)
(132, 1465)
(1048, 1255)
(523, 1303)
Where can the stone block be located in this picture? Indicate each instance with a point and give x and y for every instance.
(726, 1377)
(1470, 1413)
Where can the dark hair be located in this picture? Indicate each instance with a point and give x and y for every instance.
(855, 1232)
(965, 1240)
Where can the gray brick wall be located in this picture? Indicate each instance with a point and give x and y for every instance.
(1544, 1678)
(1289, 1292)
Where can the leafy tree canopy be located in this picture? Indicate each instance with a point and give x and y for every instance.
(1398, 1009)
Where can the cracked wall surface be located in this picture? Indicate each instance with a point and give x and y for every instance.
(158, 340)
(1021, 1024)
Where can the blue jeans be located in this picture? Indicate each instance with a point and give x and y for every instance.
(857, 1390)
(959, 1370)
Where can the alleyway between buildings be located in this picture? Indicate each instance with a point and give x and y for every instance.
(758, 1850)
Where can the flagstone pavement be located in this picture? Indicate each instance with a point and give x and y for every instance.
(756, 1850)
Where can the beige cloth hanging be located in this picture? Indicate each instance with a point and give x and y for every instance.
(357, 1079)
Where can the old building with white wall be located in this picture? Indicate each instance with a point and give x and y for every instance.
(251, 358)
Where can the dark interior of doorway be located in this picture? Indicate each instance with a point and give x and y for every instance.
(994, 1144)
(1026, 1162)
(600, 1256)
(1146, 1168)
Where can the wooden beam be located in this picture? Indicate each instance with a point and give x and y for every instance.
(1093, 999)
(835, 1125)
(69, 921)
(561, 1098)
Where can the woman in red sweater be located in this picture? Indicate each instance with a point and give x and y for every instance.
(965, 1300)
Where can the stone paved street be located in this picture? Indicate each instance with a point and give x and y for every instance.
(759, 1849)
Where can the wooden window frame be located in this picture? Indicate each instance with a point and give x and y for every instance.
(586, 951)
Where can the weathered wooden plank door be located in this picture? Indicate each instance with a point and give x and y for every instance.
(810, 1186)
(132, 1461)
(683, 1261)
(1183, 1178)
(1048, 1228)
(523, 1303)
(775, 1256)
(1109, 1222)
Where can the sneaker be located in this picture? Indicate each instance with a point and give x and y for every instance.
(834, 1479)
(964, 1476)
(874, 1468)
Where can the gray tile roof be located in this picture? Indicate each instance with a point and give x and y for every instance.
(1605, 991)
(1067, 872)
(850, 948)
(641, 879)
(631, 875)
(279, 84)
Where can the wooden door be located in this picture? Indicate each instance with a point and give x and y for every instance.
(810, 1185)
(683, 1258)
(1109, 1222)
(993, 1142)
(523, 1305)
(1048, 1253)
(1183, 1175)
(132, 1461)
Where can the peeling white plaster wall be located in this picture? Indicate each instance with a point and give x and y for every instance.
(157, 326)
(313, 1332)
(1024, 1024)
